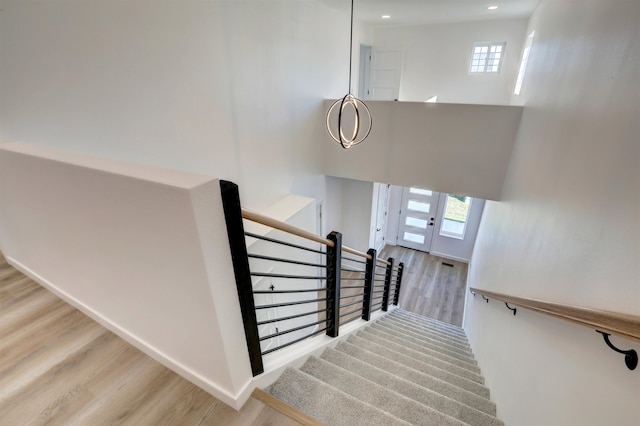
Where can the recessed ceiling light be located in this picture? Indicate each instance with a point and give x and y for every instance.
(492, 7)
(386, 16)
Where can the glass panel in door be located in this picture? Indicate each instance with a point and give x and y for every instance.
(417, 218)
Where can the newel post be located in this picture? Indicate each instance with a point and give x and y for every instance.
(334, 264)
(238, 248)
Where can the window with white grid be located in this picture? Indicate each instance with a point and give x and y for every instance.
(487, 57)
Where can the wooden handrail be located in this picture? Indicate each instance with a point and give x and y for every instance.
(623, 325)
(276, 224)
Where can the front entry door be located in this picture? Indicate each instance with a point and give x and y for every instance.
(417, 218)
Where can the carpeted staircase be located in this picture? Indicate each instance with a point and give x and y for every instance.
(402, 369)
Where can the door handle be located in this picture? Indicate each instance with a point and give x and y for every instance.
(430, 223)
(379, 229)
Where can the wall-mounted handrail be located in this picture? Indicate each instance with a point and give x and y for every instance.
(623, 325)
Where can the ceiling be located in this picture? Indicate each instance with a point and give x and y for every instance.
(417, 12)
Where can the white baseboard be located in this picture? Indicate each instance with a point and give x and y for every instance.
(236, 401)
(446, 256)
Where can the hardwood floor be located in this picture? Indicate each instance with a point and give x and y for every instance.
(59, 367)
(430, 288)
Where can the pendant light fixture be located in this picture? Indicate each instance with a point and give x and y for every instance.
(360, 117)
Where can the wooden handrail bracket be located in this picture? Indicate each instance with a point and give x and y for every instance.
(623, 325)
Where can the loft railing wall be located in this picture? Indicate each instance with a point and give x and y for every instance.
(294, 285)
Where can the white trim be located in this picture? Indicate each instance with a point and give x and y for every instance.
(446, 256)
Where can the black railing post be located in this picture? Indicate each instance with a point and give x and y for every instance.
(369, 276)
(334, 264)
(398, 283)
(387, 285)
(238, 247)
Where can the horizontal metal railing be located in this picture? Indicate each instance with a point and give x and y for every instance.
(294, 285)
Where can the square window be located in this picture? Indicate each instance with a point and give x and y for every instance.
(486, 57)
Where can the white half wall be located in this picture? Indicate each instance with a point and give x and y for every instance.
(453, 148)
(437, 60)
(142, 250)
(567, 228)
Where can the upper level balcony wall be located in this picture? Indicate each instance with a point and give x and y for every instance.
(454, 148)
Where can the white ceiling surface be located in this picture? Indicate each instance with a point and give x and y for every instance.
(418, 12)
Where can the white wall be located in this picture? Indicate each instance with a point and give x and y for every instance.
(567, 229)
(140, 249)
(232, 89)
(437, 59)
(357, 198)
(454, 148)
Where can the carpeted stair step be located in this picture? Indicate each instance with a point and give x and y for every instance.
(426, 322)
(442, 396)
(441, 381)
(421, 354)
(436, 333)
(423, 363)
(406, 328)
(326, 403)
(418, 345)
(379, 396)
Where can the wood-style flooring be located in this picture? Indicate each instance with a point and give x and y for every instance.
(430, 288)
(59, 367)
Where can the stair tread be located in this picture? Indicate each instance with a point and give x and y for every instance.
(426, 322)
(418, 345)
(427, 339)
(434, 378)
(385, 399)
(424, 354)
(388, 352)
(428, 330)
(326, 403)
(437, 394)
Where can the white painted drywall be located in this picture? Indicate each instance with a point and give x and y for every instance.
(232, 89)
(437, 59)
(357, 198)
(140, 249)
(567, 228)
(453, 148)
(454, 248)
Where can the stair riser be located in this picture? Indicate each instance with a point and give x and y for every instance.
(388, 352)
(417, 344)
(418, 328)
(428, 333)
(382, 397)
(432, 392)
(421, 339)
(421, 354)
(312, 396)
(429, 323)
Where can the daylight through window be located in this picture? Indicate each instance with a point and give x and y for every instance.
(523, 63)
(487, 57)
(456, 213)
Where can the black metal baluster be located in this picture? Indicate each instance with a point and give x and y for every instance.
(398, 283)
(368, 284)
(334, 265)
(238, 247)
(387, 284)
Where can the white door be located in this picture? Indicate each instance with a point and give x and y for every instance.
(417, 218)
(386, 65)
(379, 216)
